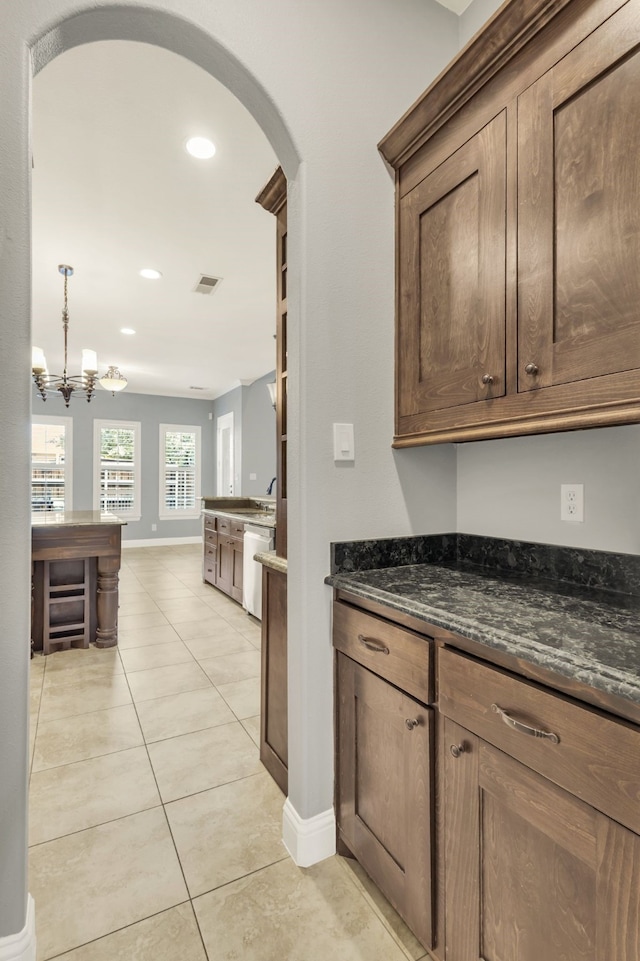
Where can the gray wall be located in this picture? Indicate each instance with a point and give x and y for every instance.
(474, 17)
(511, 488)
(255, 434)
(258, 437)
(150, 411)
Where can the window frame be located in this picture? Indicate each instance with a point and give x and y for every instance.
(67, 422)
(135, 513)
(179, 513)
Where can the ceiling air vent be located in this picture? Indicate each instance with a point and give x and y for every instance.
(206, 284)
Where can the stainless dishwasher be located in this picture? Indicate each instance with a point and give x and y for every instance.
(256, 540)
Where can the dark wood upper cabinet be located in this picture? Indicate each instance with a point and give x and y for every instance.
(578, 212)
(273, 197)
(451, 330)
(518, 229)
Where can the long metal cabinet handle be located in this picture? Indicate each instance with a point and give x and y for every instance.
(372, 644)
(524, 728)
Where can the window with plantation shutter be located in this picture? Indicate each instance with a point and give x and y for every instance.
(51, 464)
(117, 468)
(179, 471)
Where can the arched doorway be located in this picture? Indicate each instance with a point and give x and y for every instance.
(184, 37)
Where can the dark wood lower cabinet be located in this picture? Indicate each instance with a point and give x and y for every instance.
(532, 871)
(273, 709)
(229, 570)
(222, 559)
(384, 806)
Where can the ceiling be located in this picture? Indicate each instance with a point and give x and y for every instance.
(115, 191)
(458, 6)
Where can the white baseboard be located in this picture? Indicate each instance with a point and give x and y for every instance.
(162, 541)
(21, 946)
(308, 840)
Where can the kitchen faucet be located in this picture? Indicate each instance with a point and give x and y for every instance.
(270, 487)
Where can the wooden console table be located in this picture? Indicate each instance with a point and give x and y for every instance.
(88, 591)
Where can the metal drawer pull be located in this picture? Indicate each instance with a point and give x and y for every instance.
(372, 645)
(524, 728)
(411, 722)
(456, 750)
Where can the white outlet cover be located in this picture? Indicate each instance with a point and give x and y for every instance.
(572, 503)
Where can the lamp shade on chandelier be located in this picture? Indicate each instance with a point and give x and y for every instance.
(65, 383)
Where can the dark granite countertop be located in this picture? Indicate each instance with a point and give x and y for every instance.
(584, 633)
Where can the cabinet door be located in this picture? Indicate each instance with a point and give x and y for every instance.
(451, 312)
(531, 871)
(224, 580)
(273, 708)
(579, 216)
(384, 789)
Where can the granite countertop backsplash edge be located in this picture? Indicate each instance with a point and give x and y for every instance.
(584, 631)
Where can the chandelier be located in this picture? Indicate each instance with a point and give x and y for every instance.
(66, 385)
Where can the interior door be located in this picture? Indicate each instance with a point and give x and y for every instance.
(225, 460)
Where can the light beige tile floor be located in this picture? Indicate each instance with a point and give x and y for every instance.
(155, 831)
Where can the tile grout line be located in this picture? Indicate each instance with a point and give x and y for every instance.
(166, 818)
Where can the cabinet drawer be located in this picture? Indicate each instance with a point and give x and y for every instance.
(209, 523)
(226, 525)
(398, 655)
(592, 755)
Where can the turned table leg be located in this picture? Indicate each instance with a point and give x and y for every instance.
(107, 602)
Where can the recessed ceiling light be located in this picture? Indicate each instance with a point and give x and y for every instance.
(200, 147)
(150, 274)
(127, 330)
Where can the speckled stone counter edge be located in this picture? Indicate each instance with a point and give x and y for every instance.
(599, 570)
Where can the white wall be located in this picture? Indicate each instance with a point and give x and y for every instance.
(326, 81)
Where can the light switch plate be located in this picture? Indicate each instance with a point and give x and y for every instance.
(343, 442)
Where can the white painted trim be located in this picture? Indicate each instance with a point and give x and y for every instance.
(135, 513)
(308, 840)
(179, 514)
(226, 422)
(162, 541)
(21, 946)
(67, 423)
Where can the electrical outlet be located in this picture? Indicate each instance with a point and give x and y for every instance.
(572, 503)
(154, 527)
